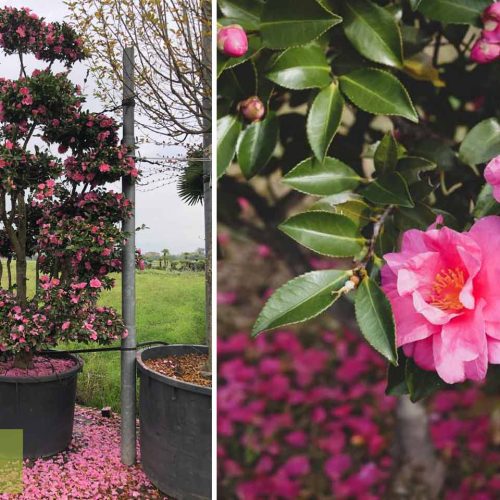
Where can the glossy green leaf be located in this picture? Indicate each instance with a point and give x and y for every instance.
(421, 383)
(301, 68)
(243, 12)
(410, 167)
(453, 11)
(373, 32)
(324, 119)
(386, 155)
(486, 204)
(375, 319)
(349, 204)
(414, 4)
(284, 25)
(378, 92)
(325, 233)
(322, 178)
(419, 217)
(396, 377)
(228, 130)
(387, 238)
(257, 144)
(301, 299)
(223, 62)
(482, 143)
(390, 189)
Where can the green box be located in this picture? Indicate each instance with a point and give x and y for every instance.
(11, 461)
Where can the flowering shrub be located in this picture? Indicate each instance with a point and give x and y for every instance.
(59, 208)
(381, 123)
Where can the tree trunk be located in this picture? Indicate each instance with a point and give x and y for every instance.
(9, 272)
(1, 272)
(23, 360)
(419, 473)
(21, 277)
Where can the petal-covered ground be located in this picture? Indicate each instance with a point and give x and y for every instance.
(307, 417)
(90, 469)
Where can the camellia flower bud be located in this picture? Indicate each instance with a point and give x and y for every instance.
(491, 20)
(232, 40)
(485, 52)
(492, 12)
(492, 176)
(252, 109)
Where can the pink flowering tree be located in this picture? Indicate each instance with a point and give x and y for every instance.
(55, 160)
(381, 118)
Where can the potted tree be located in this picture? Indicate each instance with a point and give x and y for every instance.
(53, 205)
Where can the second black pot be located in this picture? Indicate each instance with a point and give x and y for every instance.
(176, 429)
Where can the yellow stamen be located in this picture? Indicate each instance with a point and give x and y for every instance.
(447, 286)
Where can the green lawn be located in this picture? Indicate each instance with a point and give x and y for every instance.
(170, 308)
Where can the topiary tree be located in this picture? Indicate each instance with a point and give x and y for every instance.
(53, 200)
(380, 118)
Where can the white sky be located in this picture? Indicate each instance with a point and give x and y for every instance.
(172, 224)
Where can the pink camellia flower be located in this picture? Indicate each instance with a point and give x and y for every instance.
(484, 52)
(492, 176)
(95, 283)
(104, 167)
(252, 109)
(232, 40)
(443, 287)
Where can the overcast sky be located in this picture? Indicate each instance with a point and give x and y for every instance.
(172, 224)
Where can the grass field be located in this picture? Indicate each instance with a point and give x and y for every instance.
(170, 308)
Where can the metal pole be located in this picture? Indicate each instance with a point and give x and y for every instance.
(128, 368)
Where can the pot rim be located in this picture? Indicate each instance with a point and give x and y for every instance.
(48, 378)
(180, 384)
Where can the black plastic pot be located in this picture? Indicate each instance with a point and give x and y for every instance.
(176, 429)
(43, 407)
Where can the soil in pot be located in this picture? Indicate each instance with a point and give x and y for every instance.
(185, 367)
(43, 366)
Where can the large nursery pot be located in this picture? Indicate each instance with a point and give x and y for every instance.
(43, 407)
(176, 428)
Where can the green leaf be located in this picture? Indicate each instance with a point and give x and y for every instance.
(387, 238)
(228, 130)
(454, 11)
(373, 32)
(486, 204)
(482, 143)
(243, 12)
(390, 189)
(378, 92)
(325, 233)
(410, 167)
(257, 144)
(375, 319)
(283, 25)
(421, 383)
(414, 4)
(396, 377)
(386, 155)
(301, 299)
(324, 119)
(322, 178)
(420, 217)
(349, 204)
(300, 68)
(223, 62)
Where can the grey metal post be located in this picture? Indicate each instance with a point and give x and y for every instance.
(128, 368)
